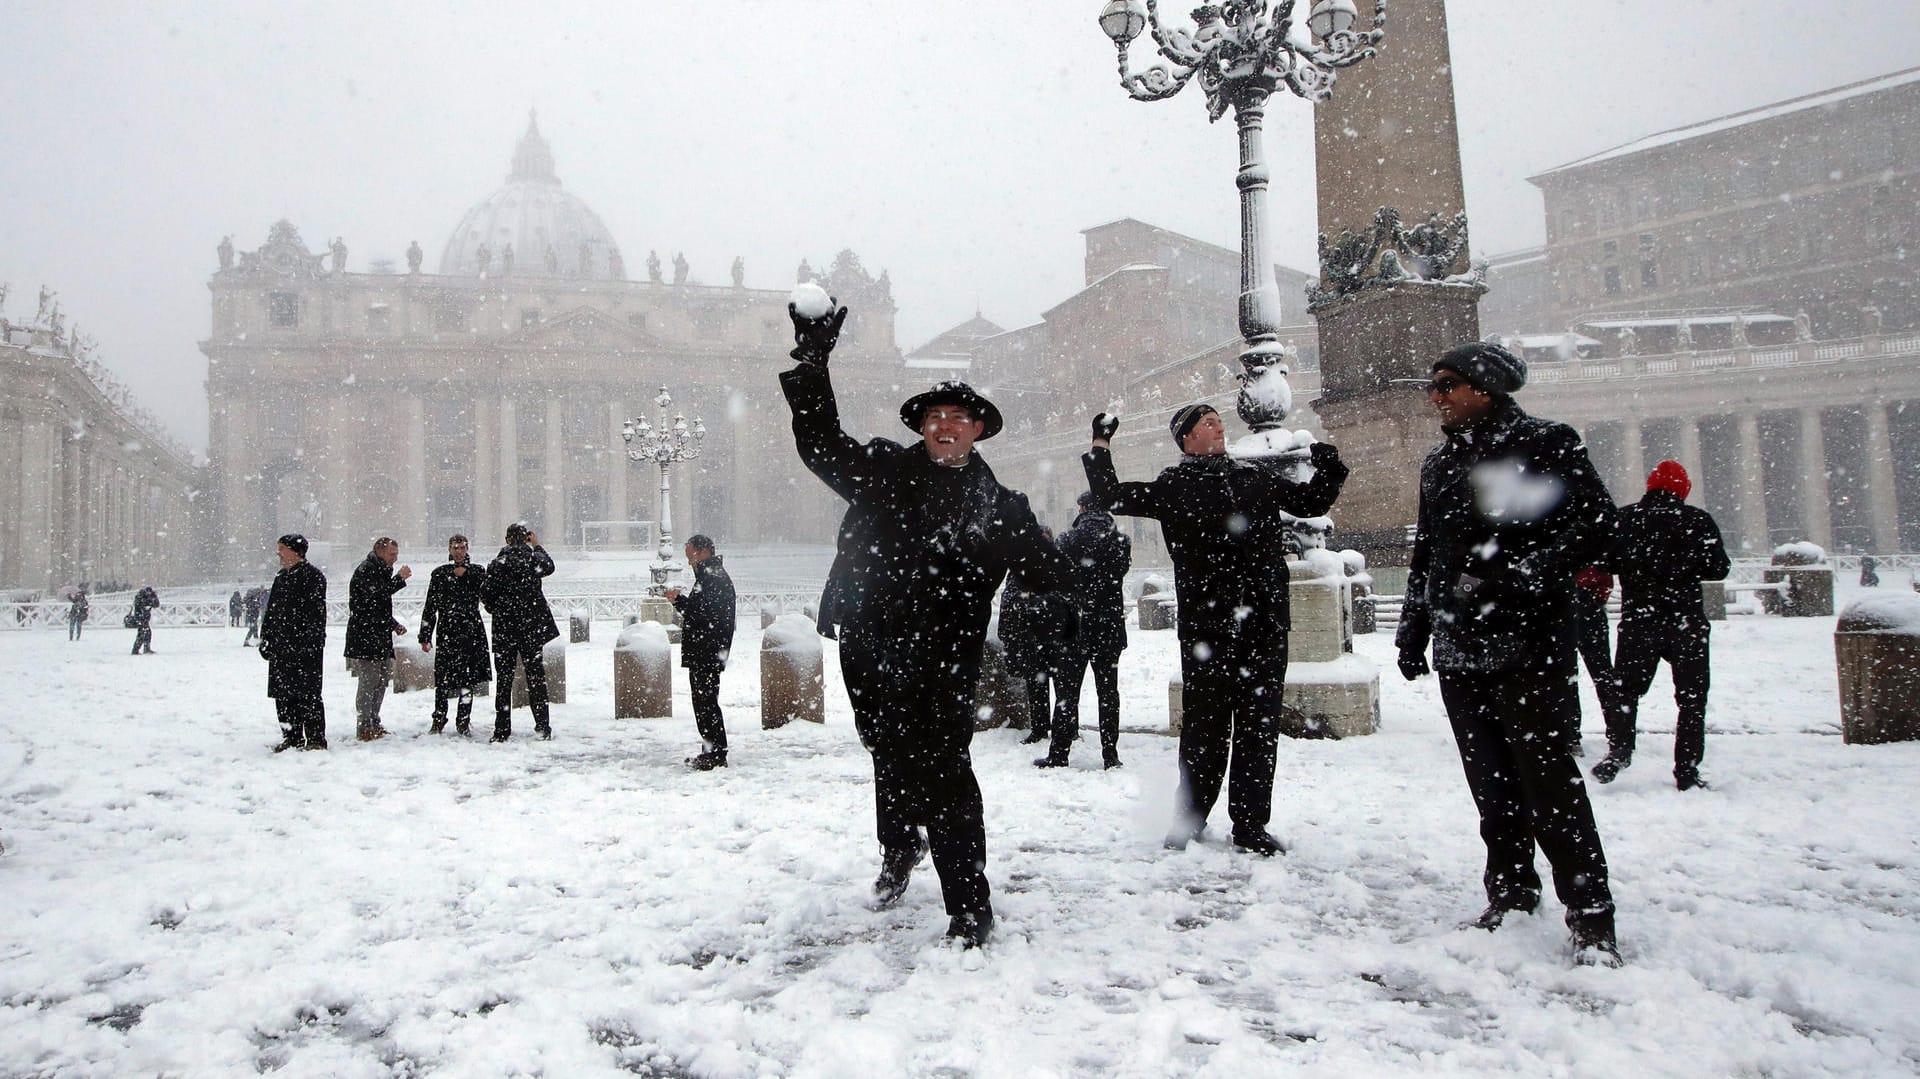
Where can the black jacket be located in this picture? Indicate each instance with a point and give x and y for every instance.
(1034, 626)
(370, 621)
(450, 621)
(293, 631)
(1662, 549)
(78, 610)
(1510, 510)
(512, 593)
(706, 616)
(144, 601)
(1101, 556)
(1223, 520)
(922, 548)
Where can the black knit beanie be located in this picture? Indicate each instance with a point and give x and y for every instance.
(1185, 418)
(1485, 366)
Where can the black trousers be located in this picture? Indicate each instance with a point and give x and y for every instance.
(303, 719)
(1230, 731)
(1594, 638)
(464, 720)
(505, 655)
(1644, 642)
(1039, 701)
(919, 730)
(73, 628)
(142, 639)
(1511, 727)
(1066, 702)
(703, 679)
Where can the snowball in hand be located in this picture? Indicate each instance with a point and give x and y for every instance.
(810, 301)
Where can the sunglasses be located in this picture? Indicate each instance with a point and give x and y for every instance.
(1445, 385)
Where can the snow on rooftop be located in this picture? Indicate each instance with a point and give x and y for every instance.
(1740, 119)
(1675, 320)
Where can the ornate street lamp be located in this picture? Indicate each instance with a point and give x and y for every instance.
(666, 445)
(1243, 51)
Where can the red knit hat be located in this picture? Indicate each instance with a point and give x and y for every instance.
(1671, 477)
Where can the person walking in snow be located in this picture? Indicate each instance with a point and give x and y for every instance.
(928, 535)
(1510, 510)
(1100, 557)
(1662, 549)
(293, 641)
(234, 603)
(1223, 520)
(450, 619)
(256, 603)
(371, 629)
(1869, 572)
(706, 639)
(145, 602)
(77, 611)
(1033, 627)
(1593, 637)
(522, 626)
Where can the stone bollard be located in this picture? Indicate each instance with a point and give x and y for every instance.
(997, 701)
(792, 678)
(1713, 599)
(554, 658)
(579, 628)
(1876, 651)
(412, 667)
(768, 614)
(1158, 609)
(1808, 577)
(1176, 703)
(643, 672)
(1365, 616)
(1330, 692)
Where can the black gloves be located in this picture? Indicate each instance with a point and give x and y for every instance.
(1413, 663)
(1105, 425)
(1323, 454)
(814, 338)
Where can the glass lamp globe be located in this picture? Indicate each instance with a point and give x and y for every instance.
(1123, 20)
(1331, 17)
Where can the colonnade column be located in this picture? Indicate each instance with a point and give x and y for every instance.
(1816, 501)
(1633, 458)
(487, 527)
(617, 466)
(554, 528)
(38, 450)
(1885, 505)
(1690, 457)
(1754, 536)
(419, 519)
(509, 465)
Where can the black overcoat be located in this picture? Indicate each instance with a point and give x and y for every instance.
(1662, 549)
(450, 622)
(513, 595)
(144, 602)
(1510, 510)
(370, 621)
(293, 631)
(1224, 527)
(1034, 627)
(1101, 557)
(707, 616)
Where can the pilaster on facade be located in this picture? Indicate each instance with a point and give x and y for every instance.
(1882, 489)
(1754, 535)
(1816, 499)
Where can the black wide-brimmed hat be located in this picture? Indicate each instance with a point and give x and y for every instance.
(952, 392)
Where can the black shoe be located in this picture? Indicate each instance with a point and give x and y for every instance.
(500, 736)
(315, 745)
(1051, 760)
(464, 731)
(1609, 767)
(1182, 835)
(287, 743)
(708, 761)
(545, 734)
(896, 871)
(1034, 735)
(1110, 760)
(439, 724)
(1494, 916)
(971, 929)
(1689, 779)
(1595, 947)
(1261, 843)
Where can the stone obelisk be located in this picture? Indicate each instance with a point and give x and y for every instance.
(1397, 288)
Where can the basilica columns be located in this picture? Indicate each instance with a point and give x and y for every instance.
(416, 523)
(617, 465)
(487, 525)
(1815, 499)
(1754, 537)
(1690, 458)
(1886, 503)
(509, 464)
(1633, 459)
(553, 529)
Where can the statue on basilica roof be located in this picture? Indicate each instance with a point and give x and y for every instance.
(414, 255)
(679, 268)
(653, 267)
(739, 272)
(225, 251)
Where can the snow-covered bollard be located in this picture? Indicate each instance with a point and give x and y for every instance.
(792, 675)
(1713, 600)
(1365, 615)
(1330, 692)
(1876, 651)
(643, 672)
(768, 613)
(1803, 567)
(579, 628)
(1157, 605)
(412, 666)
(554, 658)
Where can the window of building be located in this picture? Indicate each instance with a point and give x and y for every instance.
(638, 320)
(1649, 274)
(379, 319)
(1613, 280)
(450, 318)
(283, 309)
(530, 317)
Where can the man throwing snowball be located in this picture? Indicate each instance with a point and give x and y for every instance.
(928, 536)
(1222, 519)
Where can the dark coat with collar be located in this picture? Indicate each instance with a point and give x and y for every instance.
(513, 595)
(1101, 557)
(450, 621)
(1662, 549)
(707, 616)
(1510, 510)
(293, 631)
(370, 621)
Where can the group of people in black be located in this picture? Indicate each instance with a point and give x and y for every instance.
(1511, 510)
(293, 632)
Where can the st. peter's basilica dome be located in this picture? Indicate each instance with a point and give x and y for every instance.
(532, 227)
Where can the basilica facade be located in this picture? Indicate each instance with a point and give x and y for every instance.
(349, 405)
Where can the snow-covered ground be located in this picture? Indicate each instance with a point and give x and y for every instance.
(176, 900)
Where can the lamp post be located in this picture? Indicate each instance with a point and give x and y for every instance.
(666, 445)
(1243, 51)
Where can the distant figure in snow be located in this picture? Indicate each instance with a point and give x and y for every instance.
(1223, 520)
(1034, 626)
(1662, 549)
(506, 261)
(144, 603)
(522, 625)
(77, 612)
(234, 603)
(706, 639)
(927, 537)
(256, 603)
(1869, 572)
(293, 641)
(371, 629)
(452, 614)
(1510, 510)
(1100, 556)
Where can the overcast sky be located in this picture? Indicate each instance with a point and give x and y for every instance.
(962, 146)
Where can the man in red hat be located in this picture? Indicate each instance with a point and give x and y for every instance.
(1662, 550)
(928, 536)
